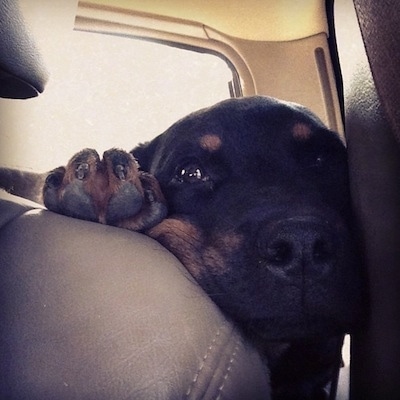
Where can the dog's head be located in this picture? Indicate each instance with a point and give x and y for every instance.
(259, 214)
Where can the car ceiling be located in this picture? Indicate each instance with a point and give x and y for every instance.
(260, 20)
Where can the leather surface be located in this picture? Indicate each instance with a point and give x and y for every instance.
(95, 312)
(22, 72)
(379, 26)
(374, 160)
(375, 170)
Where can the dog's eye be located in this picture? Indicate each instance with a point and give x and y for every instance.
(319, 161)
(191, 173)
(314, 162)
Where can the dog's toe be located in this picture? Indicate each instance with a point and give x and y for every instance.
(68, 190)
(125, 203)
(125, 189)
(51, 188)
(54, 178)
(121, 165)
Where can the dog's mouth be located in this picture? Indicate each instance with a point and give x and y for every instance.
(280, 312)
(302, 326)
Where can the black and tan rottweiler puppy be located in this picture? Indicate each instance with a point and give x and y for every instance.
(252, 196)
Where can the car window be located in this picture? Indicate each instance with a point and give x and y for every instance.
(104, 91)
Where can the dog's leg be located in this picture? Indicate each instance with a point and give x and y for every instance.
(23, 183)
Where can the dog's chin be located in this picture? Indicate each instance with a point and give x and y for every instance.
(280, 330)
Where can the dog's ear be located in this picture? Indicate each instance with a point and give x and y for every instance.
(145, 153)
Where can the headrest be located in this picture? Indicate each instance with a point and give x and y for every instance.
(22, 73)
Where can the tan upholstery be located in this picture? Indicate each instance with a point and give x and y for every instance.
(95, 312)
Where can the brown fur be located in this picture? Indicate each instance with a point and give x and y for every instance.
(210, 142)
(301, 131)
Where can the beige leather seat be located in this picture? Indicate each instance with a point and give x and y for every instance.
(95, 312)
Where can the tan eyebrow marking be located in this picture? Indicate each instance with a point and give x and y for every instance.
(210, 142)
(301, 131)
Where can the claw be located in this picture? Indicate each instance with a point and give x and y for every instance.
(150, 196)
(120, 172)
(81, 171)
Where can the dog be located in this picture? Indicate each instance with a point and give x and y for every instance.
(252, 196)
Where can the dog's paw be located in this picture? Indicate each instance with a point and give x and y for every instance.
(111, 190)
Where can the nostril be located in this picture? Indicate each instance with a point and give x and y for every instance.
(279, 252)
(322, 251)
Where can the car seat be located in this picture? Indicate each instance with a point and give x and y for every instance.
(372, 125)
(95, 312)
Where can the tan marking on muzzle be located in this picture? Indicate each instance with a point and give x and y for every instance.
(216, 257)
(183, 239)
(301, 131)
(210, 142)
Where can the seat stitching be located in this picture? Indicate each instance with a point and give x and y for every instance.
(228, 370)
(203, 363)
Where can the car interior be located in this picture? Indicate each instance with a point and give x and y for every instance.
(96, 312)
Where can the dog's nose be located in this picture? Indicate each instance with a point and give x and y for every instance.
(305, 247)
